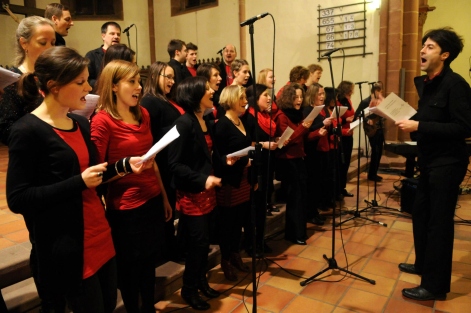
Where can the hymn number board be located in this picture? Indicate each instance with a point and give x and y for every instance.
(343, 27)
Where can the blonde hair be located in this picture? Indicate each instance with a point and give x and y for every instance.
(111, 75)
(26, 30)
(230, 96)
(262, 76)
(311, 94)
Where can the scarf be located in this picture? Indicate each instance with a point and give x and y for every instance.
(265, 122)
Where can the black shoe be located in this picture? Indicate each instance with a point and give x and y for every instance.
(376, 178)
(267, 249)
(345, 193)
(408, 268)
(317, 221)
(379, 177)
(300, 242)
(324, 208)
(273, 208)
(322, 218)
(194, 300)
(269, 213)
(204, 287)
(421, 294)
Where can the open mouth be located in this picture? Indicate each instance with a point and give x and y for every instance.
(135, 96)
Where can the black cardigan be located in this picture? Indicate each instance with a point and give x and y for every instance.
(228, 139)
(189, 158)
(45, 185)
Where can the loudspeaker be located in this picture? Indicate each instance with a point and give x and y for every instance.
(408, 192)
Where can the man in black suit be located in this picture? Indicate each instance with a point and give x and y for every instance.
(60, 15)
(111, 35)
(442, 123)
(177, 51)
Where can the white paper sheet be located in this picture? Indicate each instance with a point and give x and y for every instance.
(356, 123)
(170, 136)
(7, 77)
(92, 101)
(394, 108)
(314, 113)
(285, 136)
(342, 111)
(241, 153)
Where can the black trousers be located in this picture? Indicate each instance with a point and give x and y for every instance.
(433, 226)
(347, 147)
(134, 236)
(196, 232)
(376, 143)
(98, 292)
(294, 178)
(231, 220)
(320, 181)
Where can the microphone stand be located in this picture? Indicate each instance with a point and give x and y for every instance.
(129, 41)
(256, 178)
(356, 213)
(331, 262)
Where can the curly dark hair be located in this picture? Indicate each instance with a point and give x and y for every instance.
(289, 95)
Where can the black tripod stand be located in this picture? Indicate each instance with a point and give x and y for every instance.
(331, 262)
(357, 213)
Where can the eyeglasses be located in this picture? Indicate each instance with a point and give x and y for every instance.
(168, 77)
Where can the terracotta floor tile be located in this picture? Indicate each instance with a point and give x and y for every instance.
(301, 304)
(360, 249)
(362, 301)
(273, 299)
(330, 292)
(458, 256)
(462, 269)
(247, 307)
(384, 286)
(367, 239)
(461, 285)
(402, 226)
(396, 244)
(7, 218)
(390, 255)
(400, 306)
(382, 268)
(455, 303)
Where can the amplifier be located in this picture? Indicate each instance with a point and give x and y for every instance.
(408, 192)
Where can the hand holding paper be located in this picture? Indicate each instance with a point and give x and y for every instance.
(285, 136)
(342, 111)
(170, 136)
(315, 111)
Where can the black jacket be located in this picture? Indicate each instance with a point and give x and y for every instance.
(444, 115)
(95, 65)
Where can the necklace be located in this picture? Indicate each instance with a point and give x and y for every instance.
(236, 124)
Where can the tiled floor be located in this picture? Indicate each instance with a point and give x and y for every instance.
(370, 250)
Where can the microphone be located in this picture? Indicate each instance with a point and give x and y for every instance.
(127, 28)
(253, 19)
(328, 53)
(359, 83)
(220, 51)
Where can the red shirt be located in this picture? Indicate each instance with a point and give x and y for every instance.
(97, 242)
(115, 140)
(346, 125)
(192, 71)
(295, 147)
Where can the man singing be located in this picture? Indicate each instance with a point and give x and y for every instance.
(442, 123)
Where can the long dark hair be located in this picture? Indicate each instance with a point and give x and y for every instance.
(190, 92)
(259, 89)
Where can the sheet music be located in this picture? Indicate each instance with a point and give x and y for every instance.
(394, 108)
(241, 153)
(356, 123)
(314, 113)
(8, 77)
(342, 111)
(90, 106)
(170, 136)
(208, 111)
(285, 136)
